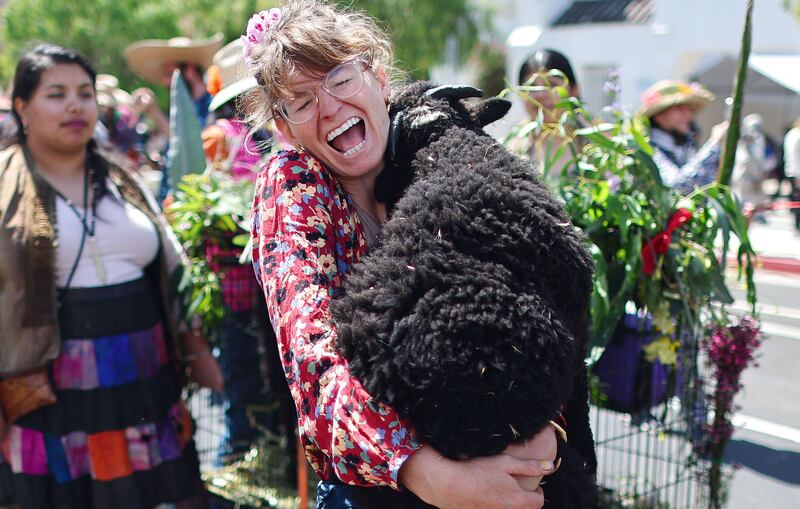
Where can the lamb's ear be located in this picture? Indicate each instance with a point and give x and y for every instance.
(394, 133)
(456, 92)
(486, 112)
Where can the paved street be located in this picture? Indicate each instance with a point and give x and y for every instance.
(766, 444)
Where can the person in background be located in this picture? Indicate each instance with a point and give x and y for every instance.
(750, 168)
(128, 131)
(155, 60)
(545, 68)
(323, 77)
(93, 354)
(791, 157)
(116, 119)
(226, 142)
(245, 337)
(791, 154)
(671, 105)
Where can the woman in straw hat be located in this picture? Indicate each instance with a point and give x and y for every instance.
(155, 60)
(671, 106)
(226, 141)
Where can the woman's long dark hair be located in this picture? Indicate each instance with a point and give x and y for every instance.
(548, 59)
(27, 78)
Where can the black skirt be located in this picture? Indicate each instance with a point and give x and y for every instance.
(119, 435)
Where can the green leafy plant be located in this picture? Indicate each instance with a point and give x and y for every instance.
(613, 191)
(208, 208)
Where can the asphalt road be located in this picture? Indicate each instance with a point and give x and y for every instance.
(766, 445)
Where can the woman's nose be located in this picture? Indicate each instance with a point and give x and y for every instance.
(74, 105)
(328, 104)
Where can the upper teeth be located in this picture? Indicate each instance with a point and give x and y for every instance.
(342, 128)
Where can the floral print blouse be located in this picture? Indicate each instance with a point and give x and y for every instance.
(306, 237)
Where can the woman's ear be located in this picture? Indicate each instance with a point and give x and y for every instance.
(383, 80)
(19, 107)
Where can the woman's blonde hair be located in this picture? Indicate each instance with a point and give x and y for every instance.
(311, 37)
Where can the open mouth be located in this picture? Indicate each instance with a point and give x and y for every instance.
(349, 137)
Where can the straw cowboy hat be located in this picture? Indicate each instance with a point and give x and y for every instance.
(232, 74)
(665, 94)
(109, 95)
(147, 58)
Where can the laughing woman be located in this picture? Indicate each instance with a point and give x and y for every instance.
(323, 78)
(90, 377)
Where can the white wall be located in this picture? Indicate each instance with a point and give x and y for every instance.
(682, 37)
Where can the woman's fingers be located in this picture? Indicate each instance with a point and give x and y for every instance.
(480, 483)
(528, 468)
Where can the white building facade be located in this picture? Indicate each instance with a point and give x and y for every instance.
(654, 40)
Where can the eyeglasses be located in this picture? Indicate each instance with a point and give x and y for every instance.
(343, 81)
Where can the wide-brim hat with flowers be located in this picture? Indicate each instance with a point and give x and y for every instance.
(665, 94)
(231, 72)
(148, 58)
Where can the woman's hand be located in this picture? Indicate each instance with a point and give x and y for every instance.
(543, 446)
(203, 366)
(718, 132)
(144, 103)
(477, 483)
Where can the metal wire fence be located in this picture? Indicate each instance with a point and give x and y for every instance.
(645, 460)
(260, 478)
(649, 458)
(651, 464)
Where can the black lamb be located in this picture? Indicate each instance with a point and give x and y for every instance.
(470, 316)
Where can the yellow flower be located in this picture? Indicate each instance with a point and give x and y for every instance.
(664, 349)
(662, 320)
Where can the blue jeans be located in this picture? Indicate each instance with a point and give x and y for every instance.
(341, 496)
(333, 496)
(245, 394)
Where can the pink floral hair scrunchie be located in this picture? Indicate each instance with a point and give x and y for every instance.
(257, 27)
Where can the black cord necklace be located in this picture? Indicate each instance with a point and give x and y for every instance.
(88, 221)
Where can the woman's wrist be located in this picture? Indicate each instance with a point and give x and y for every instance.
(193, 342)
(413, 474)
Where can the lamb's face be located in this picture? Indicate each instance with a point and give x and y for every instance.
(421, 113)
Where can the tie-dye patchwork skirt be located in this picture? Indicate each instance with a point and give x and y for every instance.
(119, 435)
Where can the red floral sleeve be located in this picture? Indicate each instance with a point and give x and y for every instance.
(305, 239)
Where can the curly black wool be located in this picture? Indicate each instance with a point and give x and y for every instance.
(470, 316)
